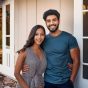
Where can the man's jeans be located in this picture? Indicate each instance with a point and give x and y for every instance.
(68, 84)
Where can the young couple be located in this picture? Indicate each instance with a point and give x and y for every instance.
(49, 54)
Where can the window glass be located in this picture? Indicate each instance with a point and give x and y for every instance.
(0, 35)
(85, 4)
(85, 50)
(7, 26)
(85, 71)
(85, 23)
(85, 39)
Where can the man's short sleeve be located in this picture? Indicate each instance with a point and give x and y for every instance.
(73, 42)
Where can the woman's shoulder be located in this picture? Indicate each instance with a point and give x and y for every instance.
(28, 50)
(22, 54)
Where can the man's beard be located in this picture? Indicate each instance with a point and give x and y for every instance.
(53, 29)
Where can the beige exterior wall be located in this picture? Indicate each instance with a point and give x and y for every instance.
(20, 23)
(67, 15)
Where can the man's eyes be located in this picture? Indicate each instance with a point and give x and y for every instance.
(51, 20)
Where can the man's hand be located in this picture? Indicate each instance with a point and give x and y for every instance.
(25, 68)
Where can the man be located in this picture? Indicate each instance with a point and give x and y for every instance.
(61, 48)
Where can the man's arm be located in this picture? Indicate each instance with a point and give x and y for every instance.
(75, 55)
(25, 68)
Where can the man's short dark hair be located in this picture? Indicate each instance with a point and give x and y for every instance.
(51, 12)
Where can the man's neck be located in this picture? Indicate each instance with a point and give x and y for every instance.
(56, 33)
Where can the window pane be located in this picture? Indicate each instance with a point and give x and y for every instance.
(0, 35)
(8, 26)
(85, 50)
(85, 71)
(7, 42)
(85, 24)
(85, 4)
(7, 19)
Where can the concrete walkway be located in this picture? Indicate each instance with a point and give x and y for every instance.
(6, 82)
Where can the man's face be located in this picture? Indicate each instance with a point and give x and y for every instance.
(52, 23)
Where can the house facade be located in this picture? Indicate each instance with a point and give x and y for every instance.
(19, 16)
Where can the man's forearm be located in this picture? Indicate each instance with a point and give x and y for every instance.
(75, 68)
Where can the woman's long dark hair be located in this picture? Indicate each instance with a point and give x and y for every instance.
(30, 40)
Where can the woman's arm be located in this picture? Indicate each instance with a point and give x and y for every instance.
(18, 68)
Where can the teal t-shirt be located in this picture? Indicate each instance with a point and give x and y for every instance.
(57, 51)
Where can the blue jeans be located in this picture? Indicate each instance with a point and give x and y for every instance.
(67, 84)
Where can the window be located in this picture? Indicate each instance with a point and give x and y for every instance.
(85, 39)
(0, 35)
(7, 26)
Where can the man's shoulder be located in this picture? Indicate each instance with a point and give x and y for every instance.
(67, 34)
(47, 36)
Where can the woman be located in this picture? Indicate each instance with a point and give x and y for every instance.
(32, 55)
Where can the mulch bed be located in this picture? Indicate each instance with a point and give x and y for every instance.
(6, 82)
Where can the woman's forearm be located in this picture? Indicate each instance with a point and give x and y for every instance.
(20, 80)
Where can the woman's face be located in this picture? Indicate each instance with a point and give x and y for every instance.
(39, 36)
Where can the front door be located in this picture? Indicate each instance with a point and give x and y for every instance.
(81, 32)
(7, 65)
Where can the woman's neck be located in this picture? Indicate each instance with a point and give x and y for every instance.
(36, 47)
